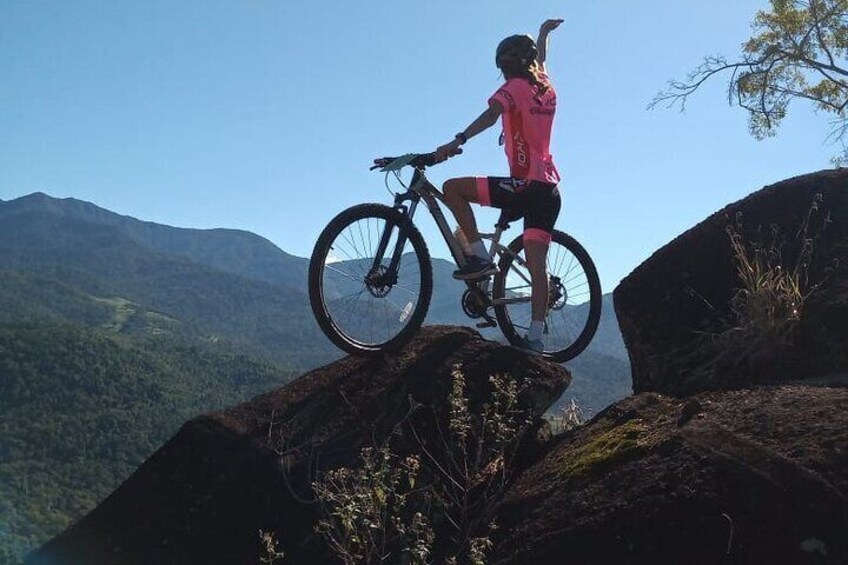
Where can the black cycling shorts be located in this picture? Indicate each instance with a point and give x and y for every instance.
(538, 201)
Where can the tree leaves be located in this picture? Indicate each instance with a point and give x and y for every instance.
(799, 51)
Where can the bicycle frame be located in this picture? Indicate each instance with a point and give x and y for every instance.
(348, 303)
(422, 189)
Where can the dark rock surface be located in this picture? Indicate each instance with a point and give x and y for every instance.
(204, 496)
(684, 290)
(748, 476)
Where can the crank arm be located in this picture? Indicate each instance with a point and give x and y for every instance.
(489, 323)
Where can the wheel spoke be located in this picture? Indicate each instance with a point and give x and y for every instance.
(407, 289)
(574, 277)
(571, 266)
(343, 274)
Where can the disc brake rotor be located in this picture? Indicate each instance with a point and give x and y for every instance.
(557, 295)
(377, 282)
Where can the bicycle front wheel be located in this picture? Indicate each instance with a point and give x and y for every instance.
(370, 279)
(574, 297)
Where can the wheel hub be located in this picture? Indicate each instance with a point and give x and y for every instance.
(379, 282)
(557, 295)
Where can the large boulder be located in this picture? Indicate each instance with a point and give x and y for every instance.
(203, 497)
(672, 306)
(747, 476)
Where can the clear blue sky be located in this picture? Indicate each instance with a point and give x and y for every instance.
(264, 115)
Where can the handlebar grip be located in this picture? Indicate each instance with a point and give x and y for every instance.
(421, 161)
(457, 151)
(381, 162)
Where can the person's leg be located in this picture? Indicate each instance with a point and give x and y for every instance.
(536, 251)
(542, 203)
(459, 193)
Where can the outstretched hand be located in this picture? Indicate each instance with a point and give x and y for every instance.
(550, 25)
(448, 150)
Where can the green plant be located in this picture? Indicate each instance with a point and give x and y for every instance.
(616, 444)
(368, 512)
(393, 509)
(474, 462)
(270, 548)
(797, 53)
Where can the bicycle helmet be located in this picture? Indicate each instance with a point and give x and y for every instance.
(516, 52)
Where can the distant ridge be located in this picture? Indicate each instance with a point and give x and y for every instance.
(215, 285)
(173, 270)
(234, 251)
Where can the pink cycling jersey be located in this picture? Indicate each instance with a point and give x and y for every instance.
(527, 121)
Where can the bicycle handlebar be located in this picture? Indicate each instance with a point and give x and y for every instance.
(417, 160)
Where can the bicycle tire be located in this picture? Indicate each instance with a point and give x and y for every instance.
(593, 309)
(321, 258)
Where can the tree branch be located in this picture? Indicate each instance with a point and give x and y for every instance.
(820, 39)
(811, 62)
(705, 71)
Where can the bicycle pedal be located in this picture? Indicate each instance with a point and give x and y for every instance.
(487, 324)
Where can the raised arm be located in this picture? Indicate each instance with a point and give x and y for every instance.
(542, 43)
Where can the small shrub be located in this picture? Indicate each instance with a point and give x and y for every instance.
(270, 549)
(474, 464)
(369, 512)
(768, 303)
(566, 418)
(392, 509)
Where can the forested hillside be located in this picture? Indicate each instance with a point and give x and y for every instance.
(113, 332)
(57, 240)
(80, 410)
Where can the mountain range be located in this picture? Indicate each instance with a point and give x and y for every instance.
(214, 284)
(170, 322)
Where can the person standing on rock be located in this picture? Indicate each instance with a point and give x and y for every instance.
(526, 103)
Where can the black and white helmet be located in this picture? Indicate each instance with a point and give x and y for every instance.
(516, 52)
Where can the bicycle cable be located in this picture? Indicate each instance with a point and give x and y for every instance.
(397, 176)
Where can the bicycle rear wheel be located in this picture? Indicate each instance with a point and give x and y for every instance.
(362, 301)
(574, 296)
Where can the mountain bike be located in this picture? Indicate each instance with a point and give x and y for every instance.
(371, 278)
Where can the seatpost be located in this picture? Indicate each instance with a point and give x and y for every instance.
(496, 238)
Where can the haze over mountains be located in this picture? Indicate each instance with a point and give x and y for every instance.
(114, 331)
(217, 284)
(214, 284)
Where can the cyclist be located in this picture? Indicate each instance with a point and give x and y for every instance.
(526, 103)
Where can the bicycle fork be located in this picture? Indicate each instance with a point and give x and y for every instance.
(389, 275)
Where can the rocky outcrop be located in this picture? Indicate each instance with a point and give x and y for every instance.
(751, 471)
(204, 496)
(683, 292)
(736, 468)
(749, 476)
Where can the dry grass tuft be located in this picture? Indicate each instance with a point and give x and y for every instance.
(768, 303)
(567, 418)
